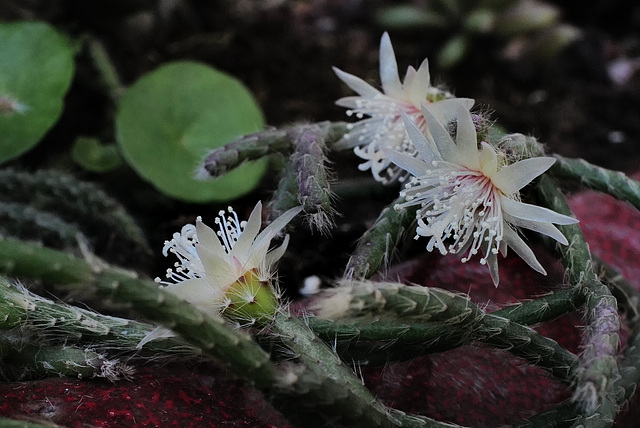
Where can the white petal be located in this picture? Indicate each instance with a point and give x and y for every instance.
(389, 68)
(426, 149)
(275, 254)
(446, 111)
(533, 212)
(522, 249)
(467, 140)
(416, 167)
(217, 268)
(157, 333)
(208, 238)
(492, 262)
(441, 137)
(196, 291)
(275, 227)
(349, 102)
(248, 235)
(514, 177)
(419, 85)
(357, 84)
(488, 159)
(545, 228)
(408, 80)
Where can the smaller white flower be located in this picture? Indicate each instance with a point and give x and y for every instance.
(381, 112)
(469, 202)
(230, 269)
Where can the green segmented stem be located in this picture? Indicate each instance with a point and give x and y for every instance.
(12, 423)
(364, 298)
(21, 220)
(286, 195)
(49, 322)
(614, 183)
(378, 341)
(336, 392)
(598, 367)
(211, 333)
(390, 302)
(78, 202)
(543, 308)
(36, 361)
(263, 143)
(249, 147)
(379, 241)
(525, 343)
(314, 193)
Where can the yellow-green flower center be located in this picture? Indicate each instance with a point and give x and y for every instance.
(250, 300)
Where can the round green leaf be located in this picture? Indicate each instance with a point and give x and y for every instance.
(171, 118)
(36, 68)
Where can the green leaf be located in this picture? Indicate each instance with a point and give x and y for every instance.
(171, 118)
(36, 68)
(91, 155)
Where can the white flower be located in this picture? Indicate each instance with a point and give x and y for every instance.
(228, 269)
(383, 128)
(469, 201)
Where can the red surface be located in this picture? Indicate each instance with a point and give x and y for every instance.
(472, 385)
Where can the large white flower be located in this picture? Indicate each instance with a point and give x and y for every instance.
(230, 269)
(469, 202)
(383, 127)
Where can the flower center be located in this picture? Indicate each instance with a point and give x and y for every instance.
(249, 300)
(459, 206)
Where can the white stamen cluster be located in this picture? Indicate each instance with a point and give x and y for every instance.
(460, 207)
(468, 199)
(380, 126)
(213, 267)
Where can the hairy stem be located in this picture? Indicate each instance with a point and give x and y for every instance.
(378, 243)
(598, 367)
(263, 143)
(614, 183)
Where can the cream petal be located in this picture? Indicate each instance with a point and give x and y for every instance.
(522, 249)
(446, 111)
(511, 178)
(408, 79)
(466, 139)
(248, 235)
(348, 102)
(196, 290)
(208, 238)
(215, 267)
(275, 254)
(275, 227)
(416, 167)
(488, 159)
(426, 149)
(533, 212)
(419, 85)
(492, 263)
(157, 333)
(547, 229)
(389, 68)
(357, 84)
(441, 137)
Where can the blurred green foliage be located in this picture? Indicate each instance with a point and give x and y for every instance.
(36, 69)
